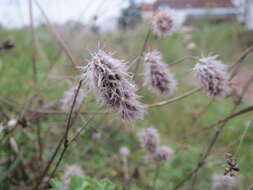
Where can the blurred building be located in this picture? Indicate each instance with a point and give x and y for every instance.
(242, 10)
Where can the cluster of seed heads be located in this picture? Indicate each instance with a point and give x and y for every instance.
(150, 142)
(107, 77)
(213, 76)
(157, 76)
(165, 22)
(222, 182)
(68, 99)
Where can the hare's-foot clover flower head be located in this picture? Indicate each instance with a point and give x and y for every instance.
(68, 99)
(149, 139)
(166, 22)
(69, 172)
(107, 77)
(222, 182)
(212, 74)
(124, 152)
(157, 77)
(12, 123)
(163, 154)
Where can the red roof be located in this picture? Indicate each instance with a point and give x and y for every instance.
(180, 4)
(147, 7)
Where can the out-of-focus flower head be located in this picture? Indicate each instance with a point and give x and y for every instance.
(222, 182)
(166, 22)
(107, 77)
(68, 98)
(149, 139)
(212, 74)
(157, 76)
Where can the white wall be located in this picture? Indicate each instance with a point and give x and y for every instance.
(249, 15)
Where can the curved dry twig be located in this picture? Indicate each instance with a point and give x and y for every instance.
(240, 60)
(183, 59)
(165, 102)
(141, 53)
(57, 36)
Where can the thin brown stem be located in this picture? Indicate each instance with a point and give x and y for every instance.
(40, 144)
(183, 59)
(165, 102)
(236, 66)
(57, 36)
(218, 129)
(64, 140)
(33, 45)
(157, 171)
(141, 53)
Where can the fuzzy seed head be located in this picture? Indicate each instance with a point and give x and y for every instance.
(163, 154)
(222, 182)
(157, 77)
(124, 152)
(96, 135)
(69, 172)
(213, 76)
(12, 122)
(149, 139)
(68, 98)
(108, 79)
(165, 22)
(1, 127)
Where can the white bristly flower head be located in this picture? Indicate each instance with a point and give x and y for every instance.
(222, 182)
(166, 22)
(163, 154)
(107, 77)
(69, 172)
(68, 98)
(12, 122)
(157, 76)
(124, 152)
(212, 74)
(1, 127)
(149, 139)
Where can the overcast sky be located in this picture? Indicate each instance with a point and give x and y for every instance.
(14, 13)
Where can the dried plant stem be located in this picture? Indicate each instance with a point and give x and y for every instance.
(33, 44)
(157, 171)
(43, 174)
(69, 124)
(57, 36)
(141, 53)
(128, 183)
(21, 116)
(81, 130)
(218, 129)
(236, 66)
(189, 93)
(242, 137)
(182, 60)
(203, 110)
(64, 140)
(250, 187)
(40, 144)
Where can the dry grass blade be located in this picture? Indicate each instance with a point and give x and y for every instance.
(57, 35)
